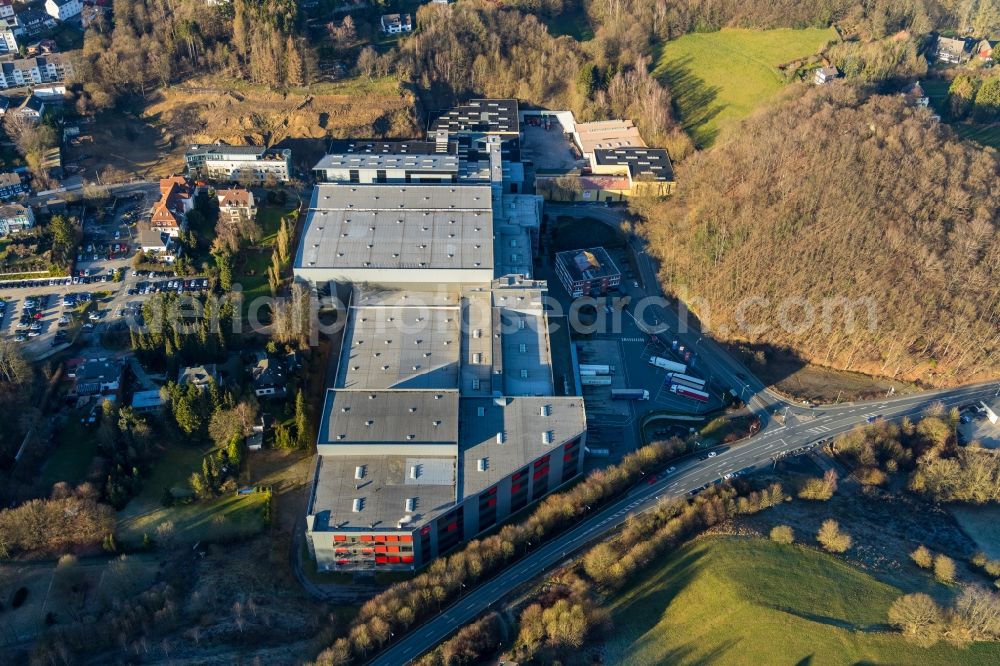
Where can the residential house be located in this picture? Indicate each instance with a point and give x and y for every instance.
(157, 242)
(984, 50)
(269, 378)
(953, 51)
(97, 376)
(33, 108)
(11, 185)
(14, 218)
(7, 15)
(199, 375)
(147, 401)
(825, 75)
(236, 205)
(8, 41)
(241, 164)
(393, 24)
(33, 21)
(915, 94)
(169, 213)
(52, 68)
(63, 9)
(42, 47)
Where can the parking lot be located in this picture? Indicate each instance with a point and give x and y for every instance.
(108, 236)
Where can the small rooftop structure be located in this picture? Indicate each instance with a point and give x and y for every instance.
(641, 164)
(606, 134)
(147, 401)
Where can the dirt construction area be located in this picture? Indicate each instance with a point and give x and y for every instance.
(150, 142)
(208, 110)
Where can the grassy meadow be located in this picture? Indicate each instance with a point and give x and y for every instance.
(717, 78)
(731, 600)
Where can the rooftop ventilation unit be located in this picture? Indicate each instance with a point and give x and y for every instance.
(546, 437)
(359, 472)
(358, 503)
(411, 504)
(481, 465)
(414, 471)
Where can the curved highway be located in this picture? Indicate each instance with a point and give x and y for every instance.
(800, 430)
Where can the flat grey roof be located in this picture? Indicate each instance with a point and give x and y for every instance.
(398, 226)
(400, 347)
(414, 147)
(434, 163)
(383, 490)
(523, 428)
(223, 149)
(409, 417)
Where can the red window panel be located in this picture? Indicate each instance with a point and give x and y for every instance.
(392, 537)
(393, 549)
(407, 559)
(342, 550)
(367, 551)
(452, 526)
(492, 491)
(380, 539)
(379, 549)
(567, 457)
(340, 537)
(367, 537)
(572, 445)
(516, 475)
(380, 560)
(343, 561)
(393, 559)
(540, 473)
(541, 461)
(514, 488)
(407, 538)
(492, 502)
(426, 529)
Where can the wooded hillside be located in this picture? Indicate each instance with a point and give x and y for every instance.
(830, 196)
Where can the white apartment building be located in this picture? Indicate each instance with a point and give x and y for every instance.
(241, 164)
(52, 68)
(63, 9)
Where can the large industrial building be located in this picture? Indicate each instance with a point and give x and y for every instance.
(451, 406)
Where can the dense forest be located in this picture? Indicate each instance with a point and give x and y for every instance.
(836, 195)
(150, 43)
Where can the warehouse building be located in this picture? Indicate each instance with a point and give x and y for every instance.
(444, 419)
(449, 409)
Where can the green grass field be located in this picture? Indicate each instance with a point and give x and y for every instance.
(223, 518)
(987, 135)
(76, 446)
(730, 600)
(717, 78)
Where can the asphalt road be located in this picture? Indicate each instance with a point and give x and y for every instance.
(690, 473)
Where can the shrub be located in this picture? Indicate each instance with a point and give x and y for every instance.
(831, 538)
(944, 568)
(782, 534)
(922, 557)
(820, 489)
(918, 617)
(871, 476)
